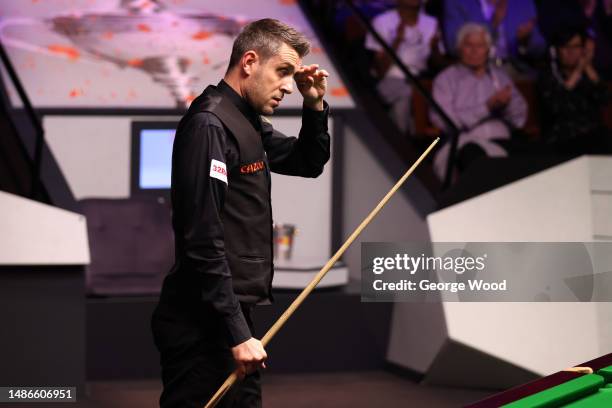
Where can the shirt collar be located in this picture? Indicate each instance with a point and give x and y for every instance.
(243, 106)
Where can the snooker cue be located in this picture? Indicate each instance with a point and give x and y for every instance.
(306, 291)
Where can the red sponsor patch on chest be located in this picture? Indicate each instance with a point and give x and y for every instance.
(252, 167)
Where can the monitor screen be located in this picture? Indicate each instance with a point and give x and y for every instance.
(155, 158)
(152, 155)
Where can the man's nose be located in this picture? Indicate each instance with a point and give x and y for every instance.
(287, 86)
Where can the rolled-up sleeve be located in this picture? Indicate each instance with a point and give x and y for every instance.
(200, 189)
(305, 155)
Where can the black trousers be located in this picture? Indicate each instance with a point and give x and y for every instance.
(196, 359)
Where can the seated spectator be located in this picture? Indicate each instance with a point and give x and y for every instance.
(413, 36)
(480, 99)
(594, 15)
(516, 37)
(572, 97)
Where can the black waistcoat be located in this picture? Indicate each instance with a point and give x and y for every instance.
(247, 211)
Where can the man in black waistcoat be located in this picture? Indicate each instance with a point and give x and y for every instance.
(223, 154)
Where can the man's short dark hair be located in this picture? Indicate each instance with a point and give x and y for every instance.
(265, 37)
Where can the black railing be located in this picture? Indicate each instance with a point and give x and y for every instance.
(35, 188)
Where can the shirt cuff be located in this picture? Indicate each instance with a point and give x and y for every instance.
(315, 120)
(238, 329)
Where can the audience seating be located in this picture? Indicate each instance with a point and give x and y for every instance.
(425, 129)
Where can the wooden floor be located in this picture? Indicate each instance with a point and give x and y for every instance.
(355, 390)
(359, 390)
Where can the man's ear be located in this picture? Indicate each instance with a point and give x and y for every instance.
(249, 62)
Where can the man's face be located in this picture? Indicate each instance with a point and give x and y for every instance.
(272, 79)
(571, 52)
(474, 50)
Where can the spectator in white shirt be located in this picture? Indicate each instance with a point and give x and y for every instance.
(413, 35)
(479, 98)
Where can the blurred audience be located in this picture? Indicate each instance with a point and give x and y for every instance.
(494, 42)
(479, 98)
(517, 41)
(414, 37)
(572, 96)
(595, 16)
